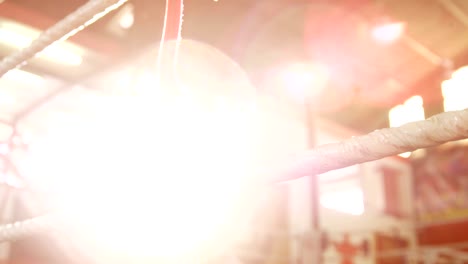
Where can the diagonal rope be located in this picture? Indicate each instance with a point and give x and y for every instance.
(376, 145)
(65, 28)
(26, 228)
(434, 131)
(441, 128)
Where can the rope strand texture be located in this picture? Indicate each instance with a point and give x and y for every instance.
(26, 228)
(445, 127)
(70, 25)
(439, 129)
(65, 28)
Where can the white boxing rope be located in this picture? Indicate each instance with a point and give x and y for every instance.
(65, 28)
(26, 228)
(434, 131)
(70, 25)
(441, 128)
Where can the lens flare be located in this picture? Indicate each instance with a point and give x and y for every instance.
(154, 173)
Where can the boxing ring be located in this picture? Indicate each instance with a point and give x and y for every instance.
(439, 129)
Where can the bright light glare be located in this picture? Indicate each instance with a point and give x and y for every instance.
(6, 99)
(303, 80)
(455, 92)
(410, 111)
(388, 33)
(127, 17)
(20, 37)
(349, 201)
(152, 180)
(13, 78)
(405, 155)
(61, 55)
(20, 76)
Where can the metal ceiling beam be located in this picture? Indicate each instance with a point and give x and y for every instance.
(455, 11)
(422, 50)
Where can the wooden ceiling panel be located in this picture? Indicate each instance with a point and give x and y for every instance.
(411, 13)
(388, 58)
(461, 4)
(433, 29)
(264, 33)
(452, 46)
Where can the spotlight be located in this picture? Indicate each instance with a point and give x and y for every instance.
(388, 33)
(304, 79)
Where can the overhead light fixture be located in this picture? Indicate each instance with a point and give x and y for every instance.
(410, 111)
(348, 200)
(454, 90)
(405, 155)
(388, 33)
(304, 79)
(122, 21)
(127, 17)
(21, 76)
(15, 78)
(19, 36)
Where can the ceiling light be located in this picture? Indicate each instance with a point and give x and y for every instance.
(411, 110)
(127, 17)
(304, 79)
(405, 155)
(122, 21)
(454, 90)
(19, 36)
(348, 201)
(6, 99)
(63, 56)
(20, 76)
(388, 33)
